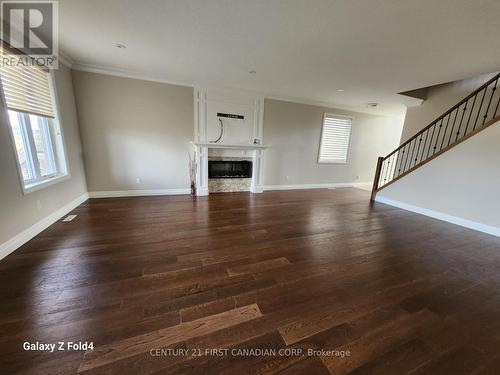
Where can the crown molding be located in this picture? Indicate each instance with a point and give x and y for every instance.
(128, 74)
(330, 106)
(98, 69)
(65, 59)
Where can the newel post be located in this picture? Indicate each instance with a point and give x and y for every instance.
(377, 177)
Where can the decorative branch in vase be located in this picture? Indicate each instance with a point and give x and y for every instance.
(192, 171)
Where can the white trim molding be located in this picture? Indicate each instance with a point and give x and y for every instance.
(110, 71)
(21, 238)
(138, 193)
(332, 185)
(441, 216)
(113, 71)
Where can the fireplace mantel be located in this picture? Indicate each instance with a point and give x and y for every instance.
(235, 146)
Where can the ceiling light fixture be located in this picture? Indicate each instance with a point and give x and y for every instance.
(121, 46)
(340, 90)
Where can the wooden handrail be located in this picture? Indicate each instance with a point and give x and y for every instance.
(472, 94)
(454, 126)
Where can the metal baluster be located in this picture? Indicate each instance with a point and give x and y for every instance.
(381, 179)
(453, 126)
(418, 149)
(461, 120)
(393, 169)
(406, 152)
(496, 109)
(387, 167)
(412, 152)
(489, 103)
(444, 134)
(470, 114)
(425, 142)
(432, 137)
(397, 167)
(479, 110)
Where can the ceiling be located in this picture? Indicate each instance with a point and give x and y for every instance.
(303, 50)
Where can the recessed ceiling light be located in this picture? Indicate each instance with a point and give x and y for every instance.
(121, 46)
(340, 90)
(252, 72)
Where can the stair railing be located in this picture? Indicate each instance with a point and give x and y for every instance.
(472, 114)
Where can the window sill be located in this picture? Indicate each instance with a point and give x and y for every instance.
(27, 189)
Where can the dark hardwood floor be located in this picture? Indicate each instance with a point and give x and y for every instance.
(266, 281)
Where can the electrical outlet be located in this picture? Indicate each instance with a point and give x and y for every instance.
(287, 178)
(137, 180)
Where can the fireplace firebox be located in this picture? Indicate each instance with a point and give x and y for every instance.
(229, 169)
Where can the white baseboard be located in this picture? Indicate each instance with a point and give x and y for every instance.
(137, 193)
(21, 238)
(315, 186)
(441, 216)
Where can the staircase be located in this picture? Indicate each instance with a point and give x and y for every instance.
(474, 113)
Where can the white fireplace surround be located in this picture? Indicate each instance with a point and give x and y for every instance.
(201, 154)
(242, 135)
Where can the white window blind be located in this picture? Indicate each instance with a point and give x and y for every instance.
(26, 88)
(335, 137)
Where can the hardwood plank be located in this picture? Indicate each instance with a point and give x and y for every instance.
(168, 336)
(341, 311)
(258, 267)
(376, 343)
(402, 360)
(460, 361)
(207, 308)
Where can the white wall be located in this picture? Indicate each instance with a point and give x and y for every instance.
(19, 212)
(133, 129)
(460, 185)
(439, 99)
(463, 183)
(292, 132)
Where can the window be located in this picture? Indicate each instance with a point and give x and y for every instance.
(29, 98)
(334, 144)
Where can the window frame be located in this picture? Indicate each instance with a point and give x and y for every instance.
(329, 114)
(58, 145)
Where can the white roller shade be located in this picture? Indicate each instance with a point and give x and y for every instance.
(335, 139)
(26, 88)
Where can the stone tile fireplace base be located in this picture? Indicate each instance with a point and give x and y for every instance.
(222, 185)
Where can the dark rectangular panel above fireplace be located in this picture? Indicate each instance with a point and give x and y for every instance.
(229, 169)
